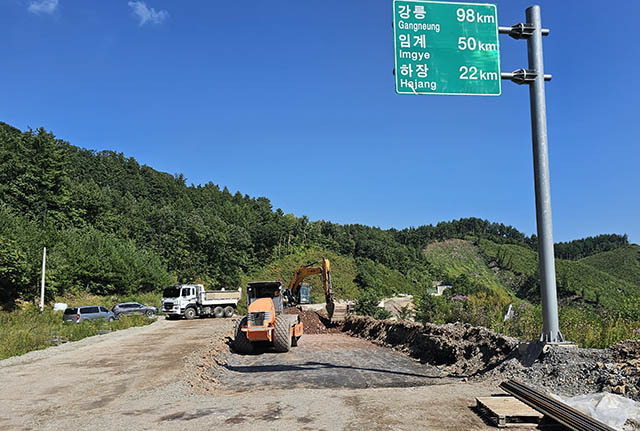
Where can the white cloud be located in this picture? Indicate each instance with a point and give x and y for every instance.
(147, 14)
(42, 6)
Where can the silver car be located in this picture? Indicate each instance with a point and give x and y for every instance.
(91, 312)
(134, 308)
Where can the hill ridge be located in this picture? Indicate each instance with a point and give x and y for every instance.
(112, 226)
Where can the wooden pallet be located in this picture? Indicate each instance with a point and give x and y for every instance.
(505, 411)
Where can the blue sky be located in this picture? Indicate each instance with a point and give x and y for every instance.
(295, 101)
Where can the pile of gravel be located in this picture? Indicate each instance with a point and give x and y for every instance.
(573, 371)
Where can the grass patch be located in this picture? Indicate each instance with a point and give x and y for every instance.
(456, 257)
(585, 326)
(511, 257)
(22, 331)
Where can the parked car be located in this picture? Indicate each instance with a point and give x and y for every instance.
(134, 308)
(92, 312)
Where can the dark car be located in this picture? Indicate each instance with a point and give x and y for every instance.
(134, 308)
(92, 312)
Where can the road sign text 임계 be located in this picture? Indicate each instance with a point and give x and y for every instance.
(446, 48)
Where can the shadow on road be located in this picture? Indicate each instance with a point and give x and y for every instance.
(315, 366)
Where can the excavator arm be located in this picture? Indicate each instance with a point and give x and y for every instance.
(336, 312)
(297, 279)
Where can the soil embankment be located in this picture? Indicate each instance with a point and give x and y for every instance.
(460, 349)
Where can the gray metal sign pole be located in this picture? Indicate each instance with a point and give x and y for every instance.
(535, 77)
(550, 327)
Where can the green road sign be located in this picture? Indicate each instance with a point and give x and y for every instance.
(446, 48)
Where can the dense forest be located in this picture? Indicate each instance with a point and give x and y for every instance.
(112, 226)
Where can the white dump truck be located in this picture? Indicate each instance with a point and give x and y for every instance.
(192, 300)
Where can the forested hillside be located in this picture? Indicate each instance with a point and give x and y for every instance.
(598, 284)
(622, 263)
(112, 226)
(589, 246)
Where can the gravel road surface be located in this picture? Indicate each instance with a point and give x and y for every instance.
(181, 375)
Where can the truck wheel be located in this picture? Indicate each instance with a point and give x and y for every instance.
(228, 311)
(218, 311)
(282, 338)
(189, 313)
(241, 343)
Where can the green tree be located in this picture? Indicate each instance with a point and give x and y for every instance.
(34, 175)
(13, 273)
(367, 305)
(430, 309)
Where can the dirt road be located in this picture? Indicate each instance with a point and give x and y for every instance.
(142, 378)
(334, 361)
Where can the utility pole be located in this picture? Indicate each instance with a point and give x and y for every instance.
(44, 264)
(532, 31)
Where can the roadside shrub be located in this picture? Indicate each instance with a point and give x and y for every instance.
(367, 305)
(588, 327)
(431, 309)
(22, 331)
(591, 328)
(526, 322)
(406, 313)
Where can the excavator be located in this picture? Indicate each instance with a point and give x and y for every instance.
(336, 311)
(265, 320)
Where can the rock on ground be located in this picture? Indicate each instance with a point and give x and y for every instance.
(573, 371)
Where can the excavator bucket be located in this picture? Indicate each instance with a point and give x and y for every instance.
(337, 311)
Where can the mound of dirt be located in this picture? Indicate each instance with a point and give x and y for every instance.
(314, 322)
(464, 350)
(460, 349)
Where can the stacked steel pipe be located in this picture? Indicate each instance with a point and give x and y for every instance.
(553, 408)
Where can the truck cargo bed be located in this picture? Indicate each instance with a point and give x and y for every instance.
(219, 295)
